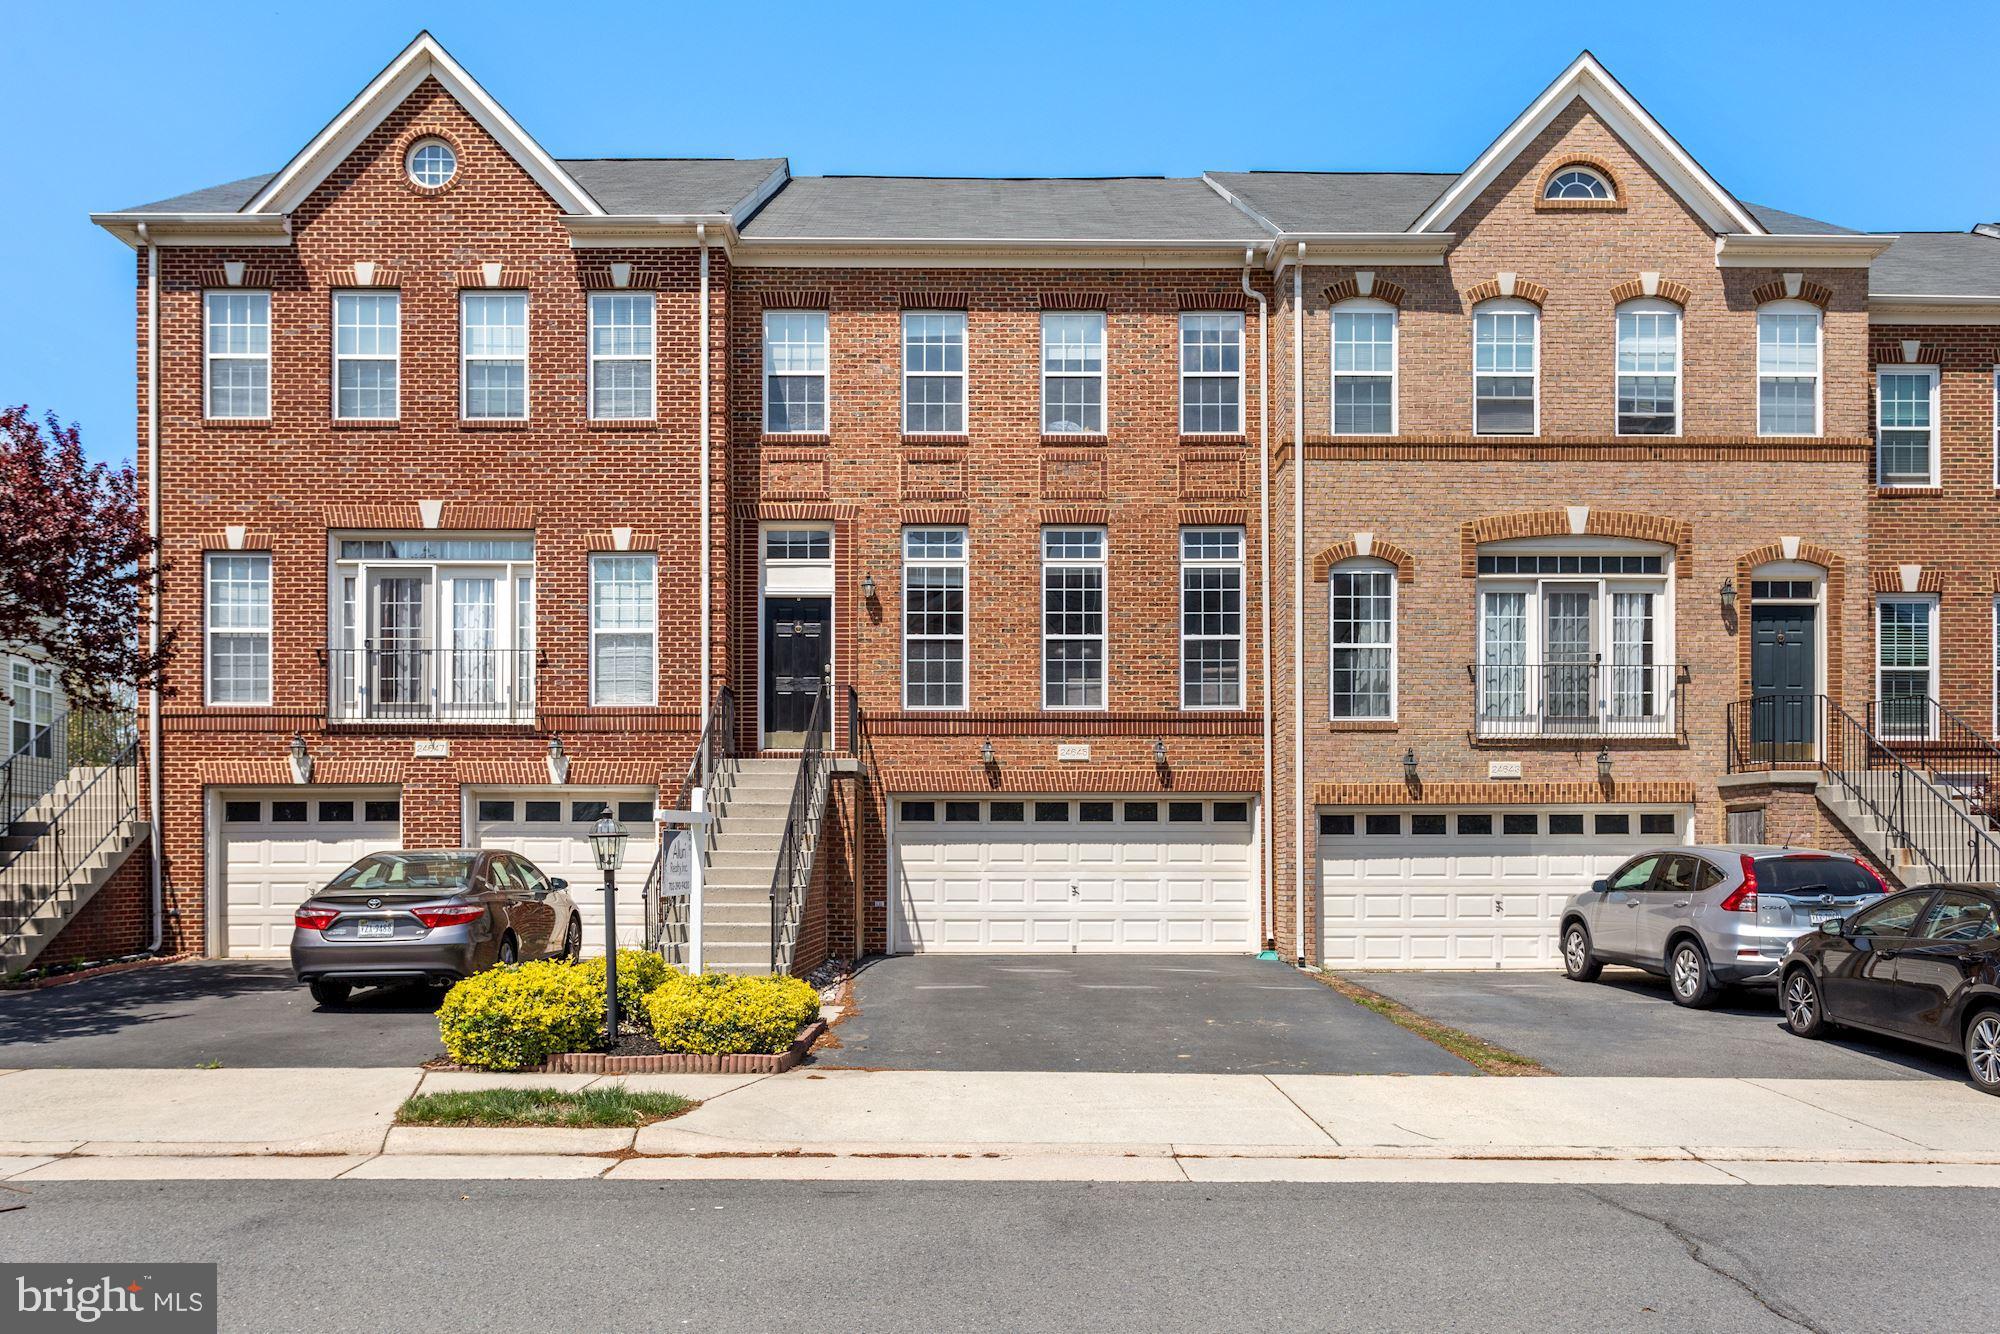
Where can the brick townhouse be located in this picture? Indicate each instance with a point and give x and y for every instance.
(489, 480)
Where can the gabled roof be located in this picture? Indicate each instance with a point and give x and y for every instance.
(1334, 201)
(228, 198)
(678, 185)
(1780, 223)
(1938, 264)
(1128, 209)
(1587, 79)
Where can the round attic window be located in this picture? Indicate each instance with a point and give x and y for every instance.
(432, 163)
(1577, 183)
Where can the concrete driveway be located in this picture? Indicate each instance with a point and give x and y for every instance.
(1626, 1024)
(179, 1016)
(1205, 1014)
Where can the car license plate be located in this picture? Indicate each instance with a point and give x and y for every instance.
(376, 930)
(1819, 917)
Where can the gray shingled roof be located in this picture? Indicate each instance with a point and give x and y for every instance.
(1783, 223)
(1938, 264)
(1337, 201)
(228, 198)
(938, 208)
(671, 185)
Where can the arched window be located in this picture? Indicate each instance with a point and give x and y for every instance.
(1578, 182)
(1361, 640)
(1506, 338)
(1364, 367)
(1788, 368)
(1649, 368)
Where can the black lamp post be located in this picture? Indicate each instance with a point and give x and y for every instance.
(607, 843)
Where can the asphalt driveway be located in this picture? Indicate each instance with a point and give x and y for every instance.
(1207, 1014)
(1626, 1024)
(183, 1015)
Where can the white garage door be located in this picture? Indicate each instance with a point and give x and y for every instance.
(550, 826)
(280, 847)
(1467, 888)
(1074, 874)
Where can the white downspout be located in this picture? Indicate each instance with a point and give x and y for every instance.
(1300, 814)
(707, 598)
(155, 856)
(1264, 565)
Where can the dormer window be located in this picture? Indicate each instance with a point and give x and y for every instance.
(1575, 182)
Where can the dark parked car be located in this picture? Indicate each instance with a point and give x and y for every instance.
(1923, 964)
(429, 917)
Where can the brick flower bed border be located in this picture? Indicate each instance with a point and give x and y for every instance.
(98, 970)
(674, 1063)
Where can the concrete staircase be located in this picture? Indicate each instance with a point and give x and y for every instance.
(76, 837)
(1929, 835)
(751, 801)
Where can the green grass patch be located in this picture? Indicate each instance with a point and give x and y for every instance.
(612, 1106)
(1477, 1052)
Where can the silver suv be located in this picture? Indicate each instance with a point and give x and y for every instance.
(1710, 917)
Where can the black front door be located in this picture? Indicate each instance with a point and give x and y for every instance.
(797, 652)
(1784, 718)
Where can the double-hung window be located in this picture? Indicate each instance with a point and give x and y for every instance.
(31, 726)
(1212, 618)
(623, 620)
(493, 347)
(1364, 368)
(934, 571)
(1362, 640)
(237, 354)
(1649, 368)
(367, 354)
(1073, 618)
(795, 372)
(1906, 637)
(621, 355)
(934, 372)
(1073, 374)
(1788, 368)
(1906, 402)
(1505, 376)
(238, 628)
(1212, 374)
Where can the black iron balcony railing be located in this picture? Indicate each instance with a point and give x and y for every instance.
(1578, 699)
(417, 683)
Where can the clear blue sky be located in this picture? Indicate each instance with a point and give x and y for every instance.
(1838, 110)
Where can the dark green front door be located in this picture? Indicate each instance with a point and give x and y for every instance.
(797, 653)
(1784, 713)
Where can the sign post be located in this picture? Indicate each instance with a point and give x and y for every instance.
(680, 869)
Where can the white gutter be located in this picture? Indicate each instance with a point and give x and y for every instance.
(1302, 817)
(701, 235)
(1264, 568)
(157, 897)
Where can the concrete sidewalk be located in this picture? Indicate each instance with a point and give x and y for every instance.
(99, 1124)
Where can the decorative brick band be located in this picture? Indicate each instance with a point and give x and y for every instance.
(1064, 515)
(1888, 356)
(606, 540)
(1458, 448)
(1036, 723)
(1891, 580)
(1524, 289)
(1073, 301)
(252, 278)
(796, 298)
(792, 509)
(933, 474)
(278, 773)
(793, 475)
(1072, 476)
(1323, 563)
(243, 720)
(1819, 294)
(1226, 299)
(635, 719)
(640, 278)
(1200, 516)
(1649, 793)
(1676, 533)
(936, 514)
(1667, 289)
(1812, 553)
(1211, 474)
(916, 300)
(362, 275)
(506, 276)
(250, 540)
(1615, 204)
(1347, 289)
(975, 779)
(457, 514)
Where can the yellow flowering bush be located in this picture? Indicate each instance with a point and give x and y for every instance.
(509, 1018)
(723, 1015)
(639, 972)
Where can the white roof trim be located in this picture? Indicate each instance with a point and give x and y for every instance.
(359, 118)
(1604, 95)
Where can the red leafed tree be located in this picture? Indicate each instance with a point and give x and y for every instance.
(74, 557)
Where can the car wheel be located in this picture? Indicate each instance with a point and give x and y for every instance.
(572, 948)
(510, 951)
(1982, 1051)
(331, 994)
(1688, 976)
(1798, 997)
(1578, 966)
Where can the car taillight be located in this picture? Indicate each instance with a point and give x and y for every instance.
(1743, 898)
(314, 919)
(1873, 874)
(454, 914)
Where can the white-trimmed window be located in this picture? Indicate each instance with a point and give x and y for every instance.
(238, 627)
(621, 356)
(1212, 374)
(934, 572)
(1577, 181)
(933, 372)
(1364, 367)
(236, 377)
(1073, 373)
(493, 350)
(1506, 337)
(1649, 368)
(1906, 665)
(367, 354)
(30, 721)
(795, 372)
(1788, 368)
(1361, 638)
(1906, 416)
(1073, 639)
(623, 629)
(1212, 618)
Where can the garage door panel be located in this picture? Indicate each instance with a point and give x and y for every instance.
(561, 846)
(269, 866)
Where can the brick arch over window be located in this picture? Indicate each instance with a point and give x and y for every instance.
(1666, 290)
(1347, 289)
(1819, 294)
(1323, 563)
(1543, 204)
(1525, 289)
(1676, 533)
(1810, 553)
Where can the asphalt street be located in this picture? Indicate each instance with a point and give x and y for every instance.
(431, 1256)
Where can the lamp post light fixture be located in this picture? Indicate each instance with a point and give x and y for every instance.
(607, 844)
(1729, 595)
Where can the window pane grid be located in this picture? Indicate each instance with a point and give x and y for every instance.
(621, 355)
(1073, 374)
(934, 575)
(1787, 373)
(494, 343)
(367, 348)
(1503, 363)
(1211, 618)
(934, 373)
(238, 612)
(1364, 366)
(238, 343)
(1361, 633)
(1648, 372)
(795, 372)
(1073, 618)
(1904, 423)
(623, 617)
(1211, 374)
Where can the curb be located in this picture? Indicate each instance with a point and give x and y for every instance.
(666, 1063)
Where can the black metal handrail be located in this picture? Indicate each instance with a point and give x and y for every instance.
(79, 737)
(396, 682)
(1584, 698)
(87, 819)
(667, 921)
(1781, 730)
(791, 879)
(1957, 755)
(1920, 817)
